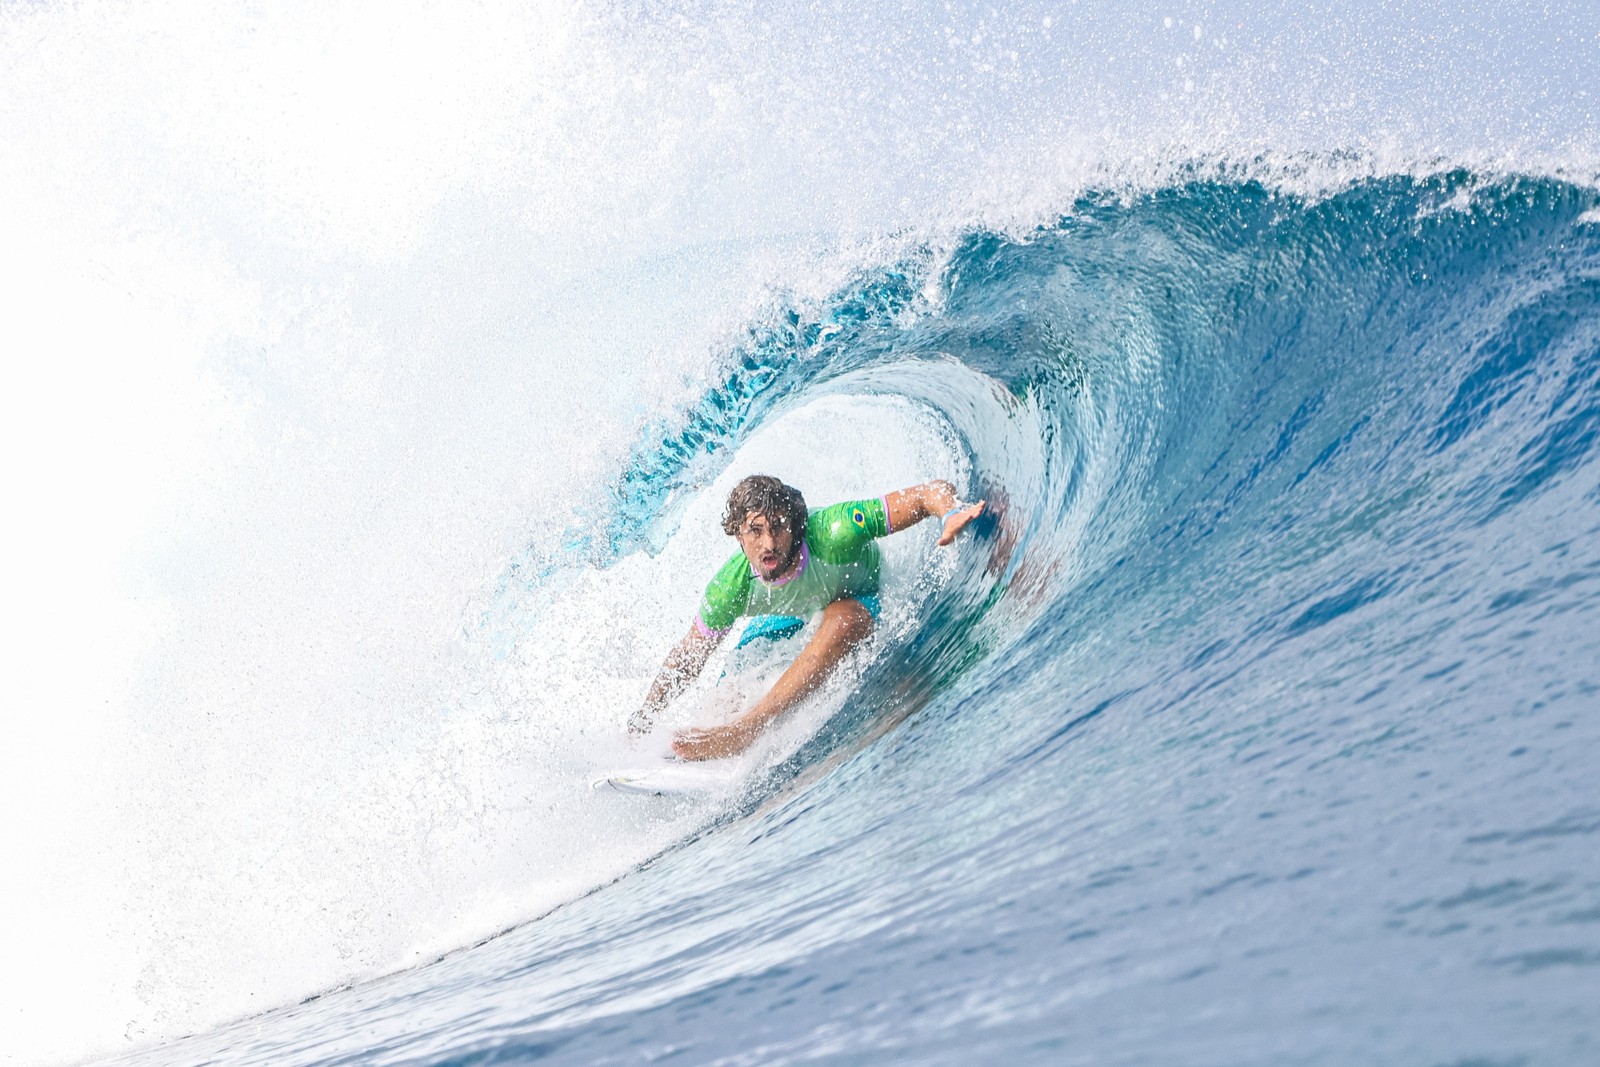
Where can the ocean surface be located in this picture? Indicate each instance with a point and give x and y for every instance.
(1257, 722)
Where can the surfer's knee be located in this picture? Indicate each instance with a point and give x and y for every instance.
(850, 618)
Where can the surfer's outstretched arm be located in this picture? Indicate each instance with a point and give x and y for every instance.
(678, 671)
(907, 507)
(845, 624)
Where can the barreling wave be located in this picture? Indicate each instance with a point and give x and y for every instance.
(1268, 667)
(1214, 400)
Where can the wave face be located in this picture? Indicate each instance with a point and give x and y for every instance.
(1255, 725)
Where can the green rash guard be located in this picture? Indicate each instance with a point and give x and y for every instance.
(837, 559)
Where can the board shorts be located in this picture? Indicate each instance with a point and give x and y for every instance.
(782, 627)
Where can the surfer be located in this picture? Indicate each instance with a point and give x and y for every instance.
(791, 565)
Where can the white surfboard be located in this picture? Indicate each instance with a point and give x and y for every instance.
(672, 779)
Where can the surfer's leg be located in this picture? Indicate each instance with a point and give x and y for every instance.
(845, 624)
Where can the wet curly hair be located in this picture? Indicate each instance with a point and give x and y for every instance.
(762, 494)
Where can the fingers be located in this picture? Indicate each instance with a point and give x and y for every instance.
(958, 519)
(643, 719)
(690, 744)
(712, 743)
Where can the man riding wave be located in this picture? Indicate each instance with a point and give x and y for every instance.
(792, 564)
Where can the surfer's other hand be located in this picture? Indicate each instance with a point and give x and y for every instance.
(639, 723)
(713, 742)
(957, 519)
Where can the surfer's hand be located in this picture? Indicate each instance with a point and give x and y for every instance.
(956, 520)
(640, 722)
(714, 742)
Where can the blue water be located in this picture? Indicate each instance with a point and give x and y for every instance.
(1256, 725)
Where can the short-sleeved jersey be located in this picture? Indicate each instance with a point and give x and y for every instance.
(837, 559)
